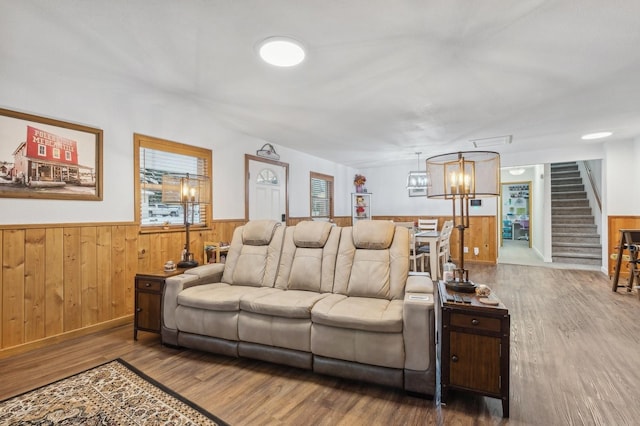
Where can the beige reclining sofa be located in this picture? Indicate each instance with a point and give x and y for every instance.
(339, 301)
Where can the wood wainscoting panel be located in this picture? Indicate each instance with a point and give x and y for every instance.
(88, 275)
(54, 282)
(13, 281)
(482, 233)
(615, 224)
(60, 279)
(34, 284)
(72, 279)
(222, 231)
(103, 272)
(338, 220)
(342, 220)
(117, 273)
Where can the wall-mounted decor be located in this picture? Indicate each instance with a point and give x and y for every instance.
(46, 158)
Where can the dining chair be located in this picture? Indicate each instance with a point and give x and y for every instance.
(428, 224)
(414, 254)
(444, 249)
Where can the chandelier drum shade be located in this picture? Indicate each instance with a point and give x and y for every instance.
(190, 191)
(462, 176)
(417, 179)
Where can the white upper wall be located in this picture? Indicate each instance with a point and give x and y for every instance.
(121, 115)
(122, 105)
(391, 198)
(620, 179)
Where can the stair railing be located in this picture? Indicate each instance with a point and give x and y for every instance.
(592, 182)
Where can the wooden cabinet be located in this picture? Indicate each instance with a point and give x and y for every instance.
(474, 350)
(360, 206)
(148, 300)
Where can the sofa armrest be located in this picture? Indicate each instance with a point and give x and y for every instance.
(209, 273)
(419, 282)
(204, 274)
(419, 324)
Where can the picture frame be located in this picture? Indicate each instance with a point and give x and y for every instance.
(49, 159)
(417, 192)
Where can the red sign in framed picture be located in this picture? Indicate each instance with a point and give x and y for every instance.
(48, 146)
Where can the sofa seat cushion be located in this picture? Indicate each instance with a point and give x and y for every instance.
(287, 304)
(359, 313)
(217, 297)
(269, 330)
(205, 322)
(364, 347)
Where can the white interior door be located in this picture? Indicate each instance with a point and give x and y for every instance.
(267, 191)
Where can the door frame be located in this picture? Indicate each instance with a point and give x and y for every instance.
(529, 204)
(247, 158)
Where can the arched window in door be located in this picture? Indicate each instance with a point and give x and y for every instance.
(267, 177)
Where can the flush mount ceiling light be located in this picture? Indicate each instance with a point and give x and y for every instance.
(281, 51)
(516, 172)
(597, 135)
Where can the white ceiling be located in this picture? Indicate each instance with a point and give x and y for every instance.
(382, 79)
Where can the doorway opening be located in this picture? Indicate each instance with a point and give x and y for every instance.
(516, 223)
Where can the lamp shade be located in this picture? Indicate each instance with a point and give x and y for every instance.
(188, 188)
(473, 174)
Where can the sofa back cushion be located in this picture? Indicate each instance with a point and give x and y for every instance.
(254, 254)
(309, 257)
(373, 260)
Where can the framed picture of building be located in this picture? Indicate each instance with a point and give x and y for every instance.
(46, 158)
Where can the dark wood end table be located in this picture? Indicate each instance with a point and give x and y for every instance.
(474, 349)
(149, 289)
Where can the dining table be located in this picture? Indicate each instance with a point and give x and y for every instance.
(431, 238)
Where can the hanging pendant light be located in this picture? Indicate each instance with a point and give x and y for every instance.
(417, 179)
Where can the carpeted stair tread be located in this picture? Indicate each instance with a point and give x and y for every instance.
(576, 245)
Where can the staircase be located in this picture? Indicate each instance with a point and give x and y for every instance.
(574, 235)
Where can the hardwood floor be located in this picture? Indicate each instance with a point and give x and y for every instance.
(574, 355)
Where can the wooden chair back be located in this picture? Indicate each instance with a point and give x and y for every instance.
(427, 224)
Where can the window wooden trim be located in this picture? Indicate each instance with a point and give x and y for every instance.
(143, 141)
(328, 178)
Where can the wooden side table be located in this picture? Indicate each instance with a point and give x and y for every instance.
(474, 350)
(148, 300)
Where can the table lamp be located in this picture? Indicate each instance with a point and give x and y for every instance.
(462, 176)
(190, 191)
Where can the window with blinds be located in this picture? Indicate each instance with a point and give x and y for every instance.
(321, 196)
(155, 158)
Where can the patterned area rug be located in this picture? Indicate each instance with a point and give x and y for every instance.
(114, 393)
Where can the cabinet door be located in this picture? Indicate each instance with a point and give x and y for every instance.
(474, 362)
(149, 310)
